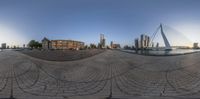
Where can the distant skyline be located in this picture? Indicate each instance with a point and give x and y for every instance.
(120, 21)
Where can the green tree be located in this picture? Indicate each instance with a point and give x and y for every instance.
(34, 44)
(93, 46)
(86, 47)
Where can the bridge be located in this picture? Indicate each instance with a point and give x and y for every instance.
(166, 42)
(170, 38)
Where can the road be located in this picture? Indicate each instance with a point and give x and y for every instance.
(111, 73)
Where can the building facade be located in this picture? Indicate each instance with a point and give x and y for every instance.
(67, 44)
(3, 45)
(144, 41)
(62, 44)
(102, 41)
(46, 43)
(195, 46)
(114, 46)
(137, 44)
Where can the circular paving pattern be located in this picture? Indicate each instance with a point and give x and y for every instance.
(123, 74)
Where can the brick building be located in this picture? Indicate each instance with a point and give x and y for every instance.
(62, 44)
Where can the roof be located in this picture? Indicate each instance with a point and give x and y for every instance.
(45, 39)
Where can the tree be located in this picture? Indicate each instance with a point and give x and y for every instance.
(99, 45)
(86, 47)
(34, 44)
(38, 45)
(31, 43)
(93, 46)
(14, 47)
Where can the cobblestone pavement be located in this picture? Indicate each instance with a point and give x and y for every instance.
(62, 55)
(122, 75)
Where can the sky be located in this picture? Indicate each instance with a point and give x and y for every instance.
(120, 21)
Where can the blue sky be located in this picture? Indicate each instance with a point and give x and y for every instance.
(120, 20)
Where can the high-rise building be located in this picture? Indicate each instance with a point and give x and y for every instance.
(144, 41)
(24, 46)
(157, 45)
(3, 45)
(102, 41)
(111, 43)
(195, 45)
(136, 43)
(152, 45)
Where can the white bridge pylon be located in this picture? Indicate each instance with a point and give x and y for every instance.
(166, 42)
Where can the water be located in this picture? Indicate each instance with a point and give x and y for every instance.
(165, 53)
